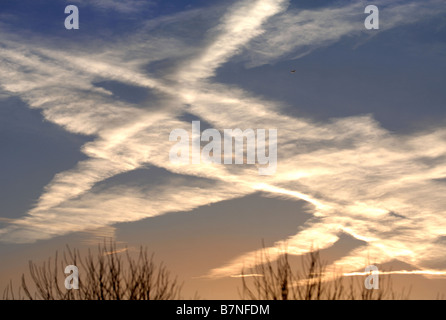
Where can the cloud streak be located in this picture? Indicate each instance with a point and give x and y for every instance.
(296, 33)
(357, 178)
(126, 7)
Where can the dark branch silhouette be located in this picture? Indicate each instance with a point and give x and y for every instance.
(278, 280)
(106, 275)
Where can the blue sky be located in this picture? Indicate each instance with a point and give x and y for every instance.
(85, 117)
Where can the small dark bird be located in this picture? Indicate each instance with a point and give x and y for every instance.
(293, 71)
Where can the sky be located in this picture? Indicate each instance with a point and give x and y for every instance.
(86, 115)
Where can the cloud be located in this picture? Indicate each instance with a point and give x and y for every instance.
(237, 27)
(295, 33)
(128, 6)
(416, 272)
(354, 174)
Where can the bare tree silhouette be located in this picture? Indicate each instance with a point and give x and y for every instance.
(277, 280)
(105, 275)
(111, 275)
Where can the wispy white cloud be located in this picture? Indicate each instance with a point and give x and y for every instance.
(353, 173)
(296, 32)
(128, 6)
(403, 272)
(241, 24)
